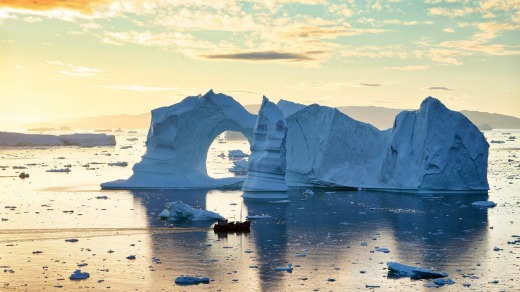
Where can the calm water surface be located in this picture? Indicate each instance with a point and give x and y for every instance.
(322, 235)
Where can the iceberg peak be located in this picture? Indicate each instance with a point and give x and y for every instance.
(209, 93)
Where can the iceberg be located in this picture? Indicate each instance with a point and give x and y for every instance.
(11, 139)
(266, 169)
(189, 280)
(327, 148)
(431, 149)
(397, 270)
(180, 211)
(178, 141)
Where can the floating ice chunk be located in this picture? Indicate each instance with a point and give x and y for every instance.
(308, 192)
(300, 255)
(263, 216)
(363, 243)
(280, 202)
(78, 275)
(131, 257)
(180, 211)
(383, 249)
(289, 268)
(237, 153)
(441, 282)
(164, 214)
(397, 270)
(72, 240)
(102, 197)
(121, 164)
(67, 170)
(484, 204)
(189, 280)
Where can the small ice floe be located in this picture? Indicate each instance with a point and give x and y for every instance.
(329, 193)
(397, 270)
(82, 264)
(331, 280)
(37, 252)
(370, 286)
(497, 249)
(237, 153)
(79, 275)
(67, 170)
(442, 282)
(363, 243)
(130, 257)
(484, 204)
(289, 268)
(239, 167)
(279, 202)
(497, 141)
(120, 163)
(308, 192)
(72, 240)
(126, 147)
(102, 197)
(263, 216)
(189, 280)
(300, 255)
(180, 211)
(383, 249)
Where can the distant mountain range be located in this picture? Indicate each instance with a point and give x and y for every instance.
(380, 117)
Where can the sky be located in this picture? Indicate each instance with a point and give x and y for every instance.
(66, 59)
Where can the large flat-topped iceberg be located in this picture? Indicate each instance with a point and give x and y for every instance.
(266, 171)
(86, 140)
(178, 141)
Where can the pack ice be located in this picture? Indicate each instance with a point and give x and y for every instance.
(430, 149)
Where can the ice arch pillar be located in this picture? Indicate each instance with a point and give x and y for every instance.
(178, 141)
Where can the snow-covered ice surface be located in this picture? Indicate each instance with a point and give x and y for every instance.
(266, 170)
(475, 246)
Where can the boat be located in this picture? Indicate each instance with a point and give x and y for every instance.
(235, 226)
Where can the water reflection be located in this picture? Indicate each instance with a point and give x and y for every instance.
(320, 234)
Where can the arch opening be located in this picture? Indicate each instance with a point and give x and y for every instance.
(228, 155)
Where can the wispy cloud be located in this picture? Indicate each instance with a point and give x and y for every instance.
(408, 68)
(266, 56)
(75, 71)
(443, 88)
(84, 6)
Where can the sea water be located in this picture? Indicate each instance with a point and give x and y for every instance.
(331, 237)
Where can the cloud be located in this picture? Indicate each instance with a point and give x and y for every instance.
(448, 30)
(370, 84)
(375, 52)
(266, 56)
(84, 6)
(408, 68)
(437, 88)
(75, 71)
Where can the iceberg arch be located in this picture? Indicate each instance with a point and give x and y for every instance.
(178, 142)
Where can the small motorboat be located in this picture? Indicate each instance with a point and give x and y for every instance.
(236, 226)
